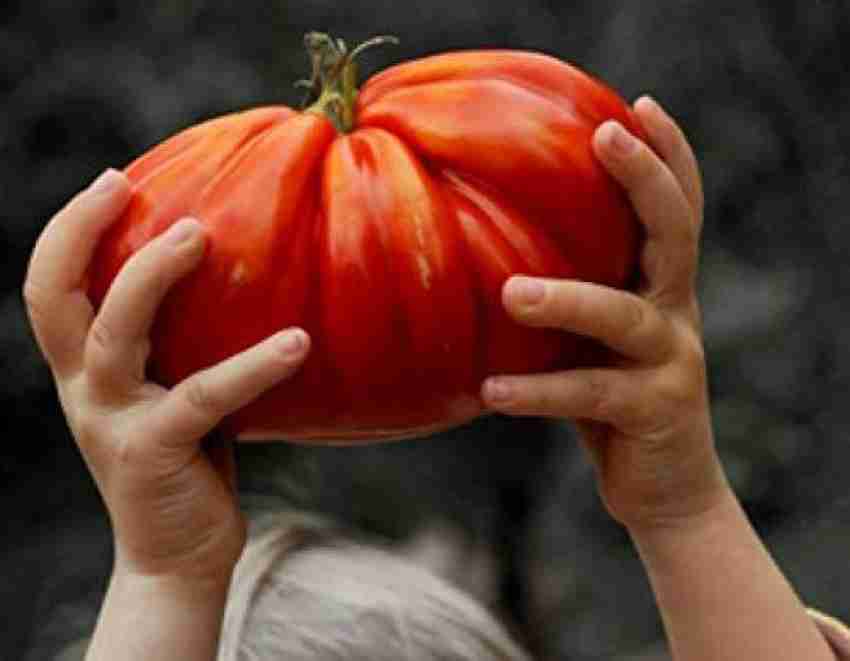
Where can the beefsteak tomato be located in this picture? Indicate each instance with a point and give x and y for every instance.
(384, 221)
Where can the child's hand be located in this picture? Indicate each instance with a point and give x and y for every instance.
(645, 415)
(171, 500)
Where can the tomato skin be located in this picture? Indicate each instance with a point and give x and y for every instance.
(389, 245)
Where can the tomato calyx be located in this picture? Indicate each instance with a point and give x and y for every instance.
(332, 87)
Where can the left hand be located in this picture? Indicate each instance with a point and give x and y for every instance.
(644, 416)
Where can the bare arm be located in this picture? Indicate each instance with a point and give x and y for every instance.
(153, 618)
(721, 595)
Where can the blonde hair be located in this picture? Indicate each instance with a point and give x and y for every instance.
(305, 589)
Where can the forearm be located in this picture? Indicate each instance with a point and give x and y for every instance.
(722, 596)
(145, 618)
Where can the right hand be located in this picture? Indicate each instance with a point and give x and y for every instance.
(171, 497)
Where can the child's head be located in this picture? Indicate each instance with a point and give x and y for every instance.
(303, 590)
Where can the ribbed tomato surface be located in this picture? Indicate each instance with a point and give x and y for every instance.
(389, 244)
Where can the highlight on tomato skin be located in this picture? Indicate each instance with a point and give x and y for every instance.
(384, 221)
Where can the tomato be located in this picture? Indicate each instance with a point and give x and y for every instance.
(385, 223)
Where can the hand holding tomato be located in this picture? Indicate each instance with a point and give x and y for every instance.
(171, 499)
(645, 415)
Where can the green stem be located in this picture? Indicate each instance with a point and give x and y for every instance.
(333, 85)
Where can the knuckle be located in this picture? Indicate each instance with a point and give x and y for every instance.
(599, 400)
(97, 433)
(125, 451)
(679, 389)
(647, 170)
(646, 328)
(677, 142)
(678, 290)
(635, 314)
(674, 391)
(681, 385)
(693, 354)
(658, 178)
(145, 273)
(201, 398)
(572, 307)
(148, 275)
(35, 300)
(100, 344)
(579, 309)
(101, 336)
(86, 427)
(690, 239)
(677, 272)
(544, 401)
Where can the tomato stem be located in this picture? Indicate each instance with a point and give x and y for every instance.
(333, 85)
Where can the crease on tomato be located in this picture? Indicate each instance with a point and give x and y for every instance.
(242, 211)
(241, 149)
(443, 122)
(410, 249)
(253, 205)
(358, 311)
(501, 243)
(534, 250)
(455, 65)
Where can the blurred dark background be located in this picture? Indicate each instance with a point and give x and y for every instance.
(763, 91)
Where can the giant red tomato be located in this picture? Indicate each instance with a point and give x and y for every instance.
(385, 223)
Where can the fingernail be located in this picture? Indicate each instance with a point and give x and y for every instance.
(647, 99)
(528, 291)
(620, 140)
(106, 182)
(182, 230)
(292, 342)
(497, 390)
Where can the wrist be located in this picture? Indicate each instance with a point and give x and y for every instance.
(160, 616)
(682, 494)
(716, 513)
(190, 566)
(719, 592)
(179, 588)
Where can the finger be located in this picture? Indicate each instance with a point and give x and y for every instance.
(64, 250)
(620, 320)
(672, 231)
(602, 395)
(195, 406)
(59, 310)
(117, 347)
(668, 139)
